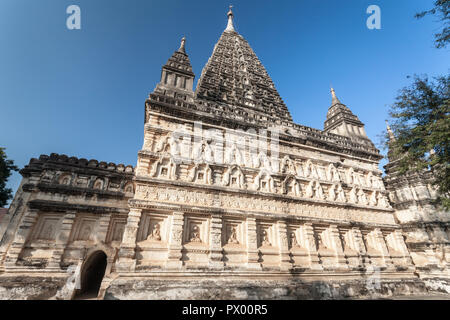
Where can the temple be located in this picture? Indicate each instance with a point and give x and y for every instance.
(229, 199)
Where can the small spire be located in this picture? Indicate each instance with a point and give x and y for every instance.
(182, 48)
(390, 133)
(230, 26)
(334, 100)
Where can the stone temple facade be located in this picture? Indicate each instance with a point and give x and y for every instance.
(229, 199)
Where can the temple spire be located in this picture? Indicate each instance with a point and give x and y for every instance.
(390, 133)
(177, 78)
(221, 82)
(341, 120)
(334, 100)
(182, 48)
(230, 26)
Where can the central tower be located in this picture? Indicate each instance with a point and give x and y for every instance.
(235, 79)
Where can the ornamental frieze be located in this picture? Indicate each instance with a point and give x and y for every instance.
(256, 203)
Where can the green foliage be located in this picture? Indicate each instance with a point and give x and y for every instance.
(442, 10)
(6, 169)
(421, 125)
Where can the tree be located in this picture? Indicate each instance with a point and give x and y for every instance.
(6, 168)
(421, 125)
(442, 10)
(420, 118)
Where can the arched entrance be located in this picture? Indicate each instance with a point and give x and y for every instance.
(92, 275)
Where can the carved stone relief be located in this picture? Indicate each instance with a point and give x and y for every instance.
(46, 227)
(84, 227)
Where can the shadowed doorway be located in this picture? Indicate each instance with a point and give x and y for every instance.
(92, 276)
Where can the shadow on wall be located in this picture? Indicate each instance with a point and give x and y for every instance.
(92, 273)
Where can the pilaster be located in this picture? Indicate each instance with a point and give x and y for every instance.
(358, 245)
(285, 259)
(337, 244)
(149, 140)
(398, 236)
(216, 254)
(21, 236)
(175, 241)
(252, 245)
(185, 146)
(127, 259)
(381, 242)
(102, 227)
(61, 240)
(311, 246)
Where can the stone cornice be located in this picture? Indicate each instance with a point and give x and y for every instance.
(267, 195)
(59, 206)
(155, 205)
(303, 135)
(72, 190)
(423, 224)
(403, 205)
(56, 161)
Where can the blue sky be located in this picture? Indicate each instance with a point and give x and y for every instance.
(82, 92)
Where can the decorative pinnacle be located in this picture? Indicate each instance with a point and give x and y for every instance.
(390, 133)
(230, 26)
(334, 100)
(182, 48)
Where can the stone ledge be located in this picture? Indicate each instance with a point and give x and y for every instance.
(47, 205)
(72, 190)
(144, 204)
(287, 198)
(36, 165)
(209, 289)
(305, 135)
(21, 287)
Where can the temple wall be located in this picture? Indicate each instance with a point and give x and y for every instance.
(64, 208)
(295, 212)
(244, 289)
(425, 225)
(205, 199)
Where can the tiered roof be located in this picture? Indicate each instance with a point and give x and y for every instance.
(179, 61)
(234, 77)
(339, 113)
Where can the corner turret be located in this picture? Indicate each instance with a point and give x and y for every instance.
(342, 121)
(177, 78)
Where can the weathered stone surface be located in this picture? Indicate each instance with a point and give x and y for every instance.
(425, 226)
(259, 289)
(230, 199)
(26, 287)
